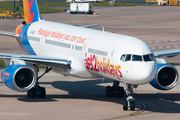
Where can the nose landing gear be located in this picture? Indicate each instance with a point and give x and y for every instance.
(129, 100)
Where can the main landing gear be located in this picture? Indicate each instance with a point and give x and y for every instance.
(115, 90)
(38, 91)
(129, 100)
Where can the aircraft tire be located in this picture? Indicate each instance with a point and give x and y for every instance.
(41, 93)
(120, 92)
(107, 91)
(125, 106)
(28, 93)
(112, 91)
(132, 106)
(32, 93)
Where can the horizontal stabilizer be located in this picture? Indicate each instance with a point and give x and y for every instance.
(167, 53)
(10, 34)
(88, 26)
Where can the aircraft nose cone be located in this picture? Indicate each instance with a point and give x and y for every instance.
(141, 73)
(148, 71)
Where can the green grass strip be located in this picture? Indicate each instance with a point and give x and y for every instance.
(43, 7)
(2, 65)
(175, 64)
(46, 7)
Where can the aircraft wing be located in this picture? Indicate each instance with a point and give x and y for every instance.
(52, 62)
(88, 26)
(168, 53)
(10, 34)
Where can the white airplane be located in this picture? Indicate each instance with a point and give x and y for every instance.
(85, 53)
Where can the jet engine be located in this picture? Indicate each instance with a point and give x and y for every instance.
(19, 77)
(166, 77)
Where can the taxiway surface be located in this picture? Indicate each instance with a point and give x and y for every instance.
(71, 98)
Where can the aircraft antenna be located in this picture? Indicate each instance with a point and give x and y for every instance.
(103, 28)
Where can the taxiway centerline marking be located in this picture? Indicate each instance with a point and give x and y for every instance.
(135, 113)
(165, 47)
(150, 42)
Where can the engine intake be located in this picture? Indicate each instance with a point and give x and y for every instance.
(166, 77)
(19, 77)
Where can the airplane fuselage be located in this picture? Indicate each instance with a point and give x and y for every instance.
(94, 53)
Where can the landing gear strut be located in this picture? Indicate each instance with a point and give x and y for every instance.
(115, 90)
(129, 100)
(38, 91)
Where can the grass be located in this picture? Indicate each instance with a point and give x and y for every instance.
(175, 64)
(46, 7)
(43, 7)
(117, 4)
(2, 65)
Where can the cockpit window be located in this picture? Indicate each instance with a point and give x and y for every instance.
(123, 57)
(148, 57)
(136, 58)
(128, 57)
(131, 57)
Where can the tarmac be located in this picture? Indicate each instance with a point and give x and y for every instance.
(70, 98)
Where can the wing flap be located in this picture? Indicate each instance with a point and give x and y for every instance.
(52, 62)
(10, 34)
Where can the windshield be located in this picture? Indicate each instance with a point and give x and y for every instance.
(136, 58)
(131, 57)
(128, 57)
(148, 57)
(123, 57)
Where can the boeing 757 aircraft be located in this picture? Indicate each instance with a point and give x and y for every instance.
(85, 53)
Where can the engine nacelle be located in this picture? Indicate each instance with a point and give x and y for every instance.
(19, 77)
(166, 77)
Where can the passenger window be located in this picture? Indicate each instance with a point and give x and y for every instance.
(136, 58)
(128, 57)
(123, 57)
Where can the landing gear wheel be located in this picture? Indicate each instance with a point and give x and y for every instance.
(32, 93)
(28, 93)
(132, 106)
(120, 92)
(38, 91)
(115, 90)
(112, 92)
(41, 93)
(125, 106)
(107, 91)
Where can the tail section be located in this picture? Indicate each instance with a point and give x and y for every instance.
(31, 11)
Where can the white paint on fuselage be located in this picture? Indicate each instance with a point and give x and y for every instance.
(112, 45)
